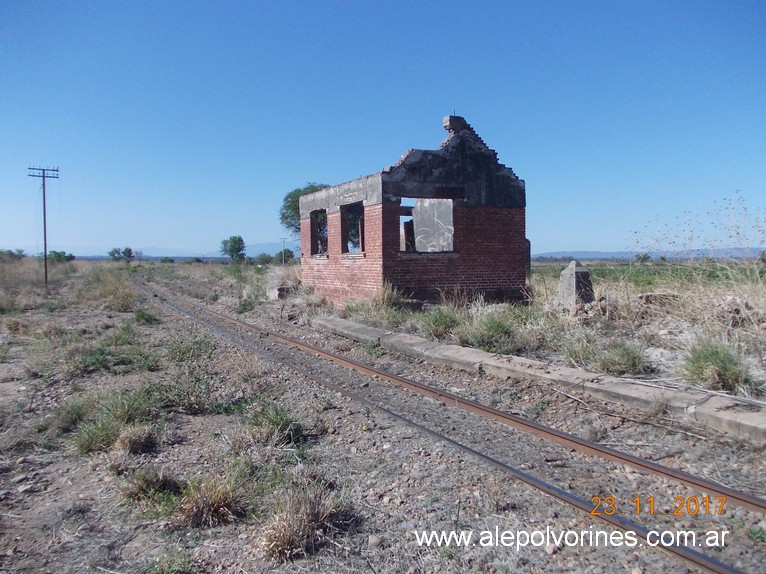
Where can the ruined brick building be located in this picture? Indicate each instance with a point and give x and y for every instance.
(439, 220)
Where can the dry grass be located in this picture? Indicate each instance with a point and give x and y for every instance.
(276, 426)
(306, 512)
(22, 283)
(110, 284)
(137, 439)
(209, 502)
(283, 276)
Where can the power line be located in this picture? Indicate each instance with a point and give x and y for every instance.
(44, 173)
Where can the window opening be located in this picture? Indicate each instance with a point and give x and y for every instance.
(352, 228)
(426, 225)
(319, 232)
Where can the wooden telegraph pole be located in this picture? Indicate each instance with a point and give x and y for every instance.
(45, 173)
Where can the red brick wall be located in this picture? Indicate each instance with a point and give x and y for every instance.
(490, 256)
(342, 277)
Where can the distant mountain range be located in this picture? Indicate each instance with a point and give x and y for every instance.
(721, 253)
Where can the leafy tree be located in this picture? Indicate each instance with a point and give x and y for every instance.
(8, 255)
(262, 259)
(642, 257)
(289, 213)
(288, 255)
(234, 248)
(127, 254)
(115, 254)
(59, 256)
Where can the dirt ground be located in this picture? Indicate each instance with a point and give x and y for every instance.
(73, 504)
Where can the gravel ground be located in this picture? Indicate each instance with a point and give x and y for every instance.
(63, 512)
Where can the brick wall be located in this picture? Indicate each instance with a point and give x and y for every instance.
(490, 256)
(342, 277)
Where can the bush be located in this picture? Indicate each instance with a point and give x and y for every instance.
(306, 511)
(439, 321)
(208, 503)
(191, 348)
(101, 419)
(276, 425)
(621, 359)
(146, 318)
(715, 366)
(175, 561)
(494, 333)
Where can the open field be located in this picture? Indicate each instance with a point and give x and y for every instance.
(133, 440)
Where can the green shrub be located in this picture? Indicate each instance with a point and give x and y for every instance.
(245, 305)
(174, 561)
(191, 348)
(145, 317)
(715, 366)
(373, 348)
(621, 359)
(90, 360)
(188, 391)
(276, 425)
(438, 321)
(127, 335)
(494, 333)
(101, 419)
(97, 435)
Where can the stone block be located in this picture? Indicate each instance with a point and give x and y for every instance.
(575, 285)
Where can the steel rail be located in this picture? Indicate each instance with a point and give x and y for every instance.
(744, 499)
(684, 552)
(681, 551)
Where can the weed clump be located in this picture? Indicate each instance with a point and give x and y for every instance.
(209, 502)
(277, 426)
(306, 512)
(174, 561)
(145, 483)
(99, 420)
(621, 359)
(439, 321)
(137, 439)
(144, 317)
(190, 348)
(716, 367)
(373, 348)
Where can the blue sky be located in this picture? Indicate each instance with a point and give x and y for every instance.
(177, 124)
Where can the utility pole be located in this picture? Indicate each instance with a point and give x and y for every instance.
(283, 249)
(45, 173)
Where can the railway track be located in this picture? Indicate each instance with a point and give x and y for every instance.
(255, 338)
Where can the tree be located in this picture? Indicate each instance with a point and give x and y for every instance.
(8, 255)
(234, 248)
(642, 257)
(262, 259)
(286, 255)
(115, 254)
(289, 213)
(127, 254)
(59, 256)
